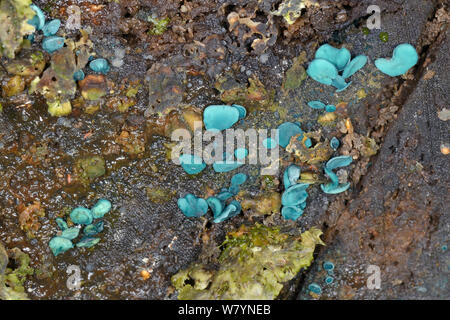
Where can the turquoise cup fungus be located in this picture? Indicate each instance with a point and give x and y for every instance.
(81, 215)
(59, 245)
(286, 131)
(226, 166)
(70, 233)
(338, 57)
(356, 64)
(38, 21)
(191, 206)
(322, 71)
(99, 65)
(404, 58)
(232, 210)
(192, 164)
(87, 242)
(291, 175)
(317, 105)
(101, 208)
(221, 117)
(295, 195)
(52, 43)
(292, 212)
(51, 27)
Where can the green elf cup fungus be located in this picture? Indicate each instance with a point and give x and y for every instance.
(93, 229)
(81, 215)
(191, 206)
(232, 210)
(38, 21)
(295, 195)
(192, 164)
(404, 58)
(51, 27)
(334, 187)
(340, 84)
(216, 205)
(220, 117)
(242, 111)
(61, 223)
(70, 233)
(99, 65)
(328, 266)
(60, 245)
(226, 166)
(338, 57)
(322, 71)
(101, 208)
(330, 108)
(238, 179)
(338, 162)
(270, 143)
(224, 195)
(334, 143)
(52, 43)
(286, 131)
(315, 288)
(317, 105)
(356, 64)
(291, 175)
(78, 75)
(240, 154)
(88, 242)
(292, 212)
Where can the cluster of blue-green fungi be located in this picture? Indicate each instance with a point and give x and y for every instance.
(315, 288)
(318, 105)
(330, 61)
(218, 118)
(52, 42)
(334, 186)
(295, 195)
(220, 204)
(82, 217)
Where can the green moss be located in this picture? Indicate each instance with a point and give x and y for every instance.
(254, 264)
(90, 168)
(159, 26)
(12, 280)
(384, 36)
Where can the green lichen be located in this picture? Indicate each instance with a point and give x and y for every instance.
(89, 168)
(29, 64)
(159, 26)
(12, 280)
(291, 10)
(14, 15)
(160, 195)
(254, 264)
(296, 74)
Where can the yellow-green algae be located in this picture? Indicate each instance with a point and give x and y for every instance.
(255, 264)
